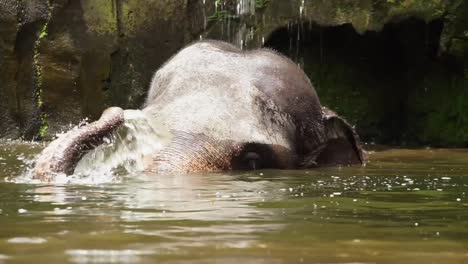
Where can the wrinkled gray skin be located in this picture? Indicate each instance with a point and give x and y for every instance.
(226, 109)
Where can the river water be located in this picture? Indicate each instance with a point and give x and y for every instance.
(405, 206)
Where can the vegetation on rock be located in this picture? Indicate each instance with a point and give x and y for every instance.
(92, 54)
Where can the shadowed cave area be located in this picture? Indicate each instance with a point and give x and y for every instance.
(390, 83)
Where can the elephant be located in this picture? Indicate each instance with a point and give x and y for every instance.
(226, 109)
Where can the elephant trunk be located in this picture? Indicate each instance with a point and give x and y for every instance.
(62, 155)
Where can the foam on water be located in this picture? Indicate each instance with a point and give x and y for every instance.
(124, 152)
(27, 240)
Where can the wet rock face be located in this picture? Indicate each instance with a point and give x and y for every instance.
(64, 60)
(19, 23)
(8, 32)
(397, 69)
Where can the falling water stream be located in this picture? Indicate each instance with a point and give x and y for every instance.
(243, 23)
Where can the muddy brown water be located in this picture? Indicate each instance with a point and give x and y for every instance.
(405, 206)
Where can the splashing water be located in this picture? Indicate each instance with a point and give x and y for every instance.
(126, 150)
(123, 153)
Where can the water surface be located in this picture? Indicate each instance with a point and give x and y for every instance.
(405, 206)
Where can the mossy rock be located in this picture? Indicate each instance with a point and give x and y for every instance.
(96, 54)
(443, 104)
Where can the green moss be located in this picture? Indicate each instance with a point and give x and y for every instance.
(222, 12)
(340, 87)
(425, 9)
(436, 106)
(459, 48)
(137, 15)
(261, 4)
(100, 16)
(44, 125)
(38, 82)
(444, 103)
(43, 32)
(221, 15)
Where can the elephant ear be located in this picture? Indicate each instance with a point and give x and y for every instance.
(343, 146)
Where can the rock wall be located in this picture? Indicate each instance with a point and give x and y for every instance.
(64, 60)
(395, 68)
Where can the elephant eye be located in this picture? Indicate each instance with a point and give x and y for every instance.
(254, 156)
(252, 159)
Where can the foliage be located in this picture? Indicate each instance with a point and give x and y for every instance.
(38, 80)
(221, 15)
(261, 4)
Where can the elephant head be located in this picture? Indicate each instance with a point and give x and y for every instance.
(226, 109)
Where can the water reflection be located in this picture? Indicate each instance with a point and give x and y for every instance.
(173, 213)
(182, 197)
(107, 256)
(195, 197)
(406, 206)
